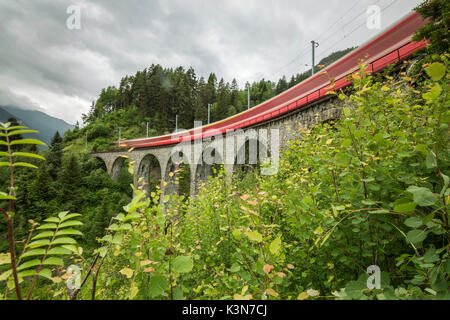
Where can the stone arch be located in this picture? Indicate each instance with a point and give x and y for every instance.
(177, 175)
(151, 172)
(101, 163)
(117, 167)
(250, 156)
(208, 166)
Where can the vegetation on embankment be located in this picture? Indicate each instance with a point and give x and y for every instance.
(369, 190)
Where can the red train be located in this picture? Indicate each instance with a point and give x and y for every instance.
(391, 45)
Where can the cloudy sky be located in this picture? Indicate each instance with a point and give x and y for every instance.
(47, 66)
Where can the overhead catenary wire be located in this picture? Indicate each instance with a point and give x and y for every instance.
(305, 53)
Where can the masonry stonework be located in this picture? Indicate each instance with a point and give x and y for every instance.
(289, 127)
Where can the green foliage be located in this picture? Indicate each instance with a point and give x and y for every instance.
(436, 31)
(43, 253)
(372, 189)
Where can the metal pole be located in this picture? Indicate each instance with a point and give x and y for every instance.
(248, 99)
(209, 113)
(85, 146)
(147, 129)
(314, 46)
(176, 123)
(119, 135)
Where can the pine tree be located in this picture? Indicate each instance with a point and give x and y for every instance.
(54, 155)
(70, 184)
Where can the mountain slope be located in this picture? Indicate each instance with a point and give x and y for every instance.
(37, 120)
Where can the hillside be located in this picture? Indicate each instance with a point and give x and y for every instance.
(157, 95)
(37, 120)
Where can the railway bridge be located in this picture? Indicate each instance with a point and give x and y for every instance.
(257, 136)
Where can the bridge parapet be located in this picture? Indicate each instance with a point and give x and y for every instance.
(288, 127)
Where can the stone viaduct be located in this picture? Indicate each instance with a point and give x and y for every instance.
(233, 150)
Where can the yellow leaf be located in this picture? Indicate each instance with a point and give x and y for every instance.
(272, 292)
(56, 279)
(250, 211)
(245, 197)
(290, 266)
(303, 296)
(268, 268)
(127, 272)
(145, 262)
(5, 258)
(312, 292)
(149, 269)
(244, 290)
(237, 296)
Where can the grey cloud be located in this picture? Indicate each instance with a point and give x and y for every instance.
(44, 64)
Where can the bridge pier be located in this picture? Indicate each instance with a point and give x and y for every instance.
(160, 165)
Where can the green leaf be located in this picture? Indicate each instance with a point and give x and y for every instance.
(62, 214)
(4, 154)
(48, 226)
(59, 251)
(70, 216)
(27, 141)
(405, 207)
(26, 273)
(431, 160)
(157, 286)
(5, 275)
(24, 164)
(275, 246)
(69, 232)
(235, 267)
(422, 196)
(35, 252)
(16, 132)
(4, 196)
(354, 289)
(45, 273)
(45, 234)
(414, 222)
(64, 240)
(70, 247)
(117, 239)
(107, 238)
(29, 264)
(102, 251)
(435, 71)
(70, 224)
(446, 183)
(15, 128)
(28, 155)
(5, 164)
(416, 236)
(39, 243)
(254, 236)
(183, 264)
(53, 261)
(52, 219)
(433, 94)
(439, 283)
